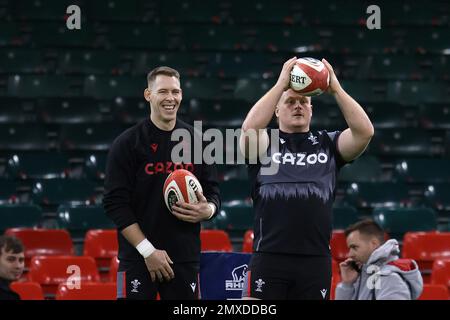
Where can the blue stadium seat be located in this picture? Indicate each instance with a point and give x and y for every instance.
(22, 61)
(397, 221)
(37, 86)
(70, 111)
(381, 194)
(111, 87)
(235, 191)
(404, 142)
(38, 165)
(95, 165)
(57, 191)
(77, 219)
(91, 62)
(19, 215)
(24, 137)
(423, 170)
(130, 111)
(56, 34)
(8, 191)
(435, 116)
(364, 169)
(235, 219)
(343, 216)
(93, 137)
(437, 196)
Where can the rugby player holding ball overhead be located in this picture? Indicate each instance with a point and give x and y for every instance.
(293, 206)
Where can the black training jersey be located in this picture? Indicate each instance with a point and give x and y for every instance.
(5, 291)
(293, 207)
(139, 162)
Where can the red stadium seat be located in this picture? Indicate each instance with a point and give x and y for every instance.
(335, 271)
(87, 291)
(113, 267)
(333, 290)
(440, 273)
(338, 245)
(215, 240)
(28, 290)
(101, 245)
(50, 271)
(247, 245)
(43, 242)
(425, 247)
(434, 292)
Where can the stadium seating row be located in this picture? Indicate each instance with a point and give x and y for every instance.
(223, 65)
(225, 37)
(28, 165)
(417, 13)
(245, 88)
(101, 245)
(219, 113)
(234, 218)
(394, 143)
(49, 279)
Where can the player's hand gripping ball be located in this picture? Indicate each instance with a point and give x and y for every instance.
(181, 185)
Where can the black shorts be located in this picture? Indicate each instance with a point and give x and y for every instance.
(288, 277)
(134, 282)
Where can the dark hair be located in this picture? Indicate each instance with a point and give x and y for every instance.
(367, 227)
(167, 71)
(9, 243)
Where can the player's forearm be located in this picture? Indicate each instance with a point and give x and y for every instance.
(355, 116)
(261, 113)
(133, 234)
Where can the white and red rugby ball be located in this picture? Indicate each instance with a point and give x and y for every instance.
(181, 185)
(309, 77)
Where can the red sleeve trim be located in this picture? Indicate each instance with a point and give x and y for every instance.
(403, 264)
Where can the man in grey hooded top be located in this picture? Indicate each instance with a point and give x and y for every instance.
(373, 270)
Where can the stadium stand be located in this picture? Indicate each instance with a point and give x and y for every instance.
(28, 290)
(65, 96)
(40, 242)
(50, 271)
(434, 292)
(425, 248)
(215, 240)
(440, 272)
(101, 244)
(87, 291)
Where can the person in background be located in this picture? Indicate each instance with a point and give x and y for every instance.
(12, 263)
(373, 270)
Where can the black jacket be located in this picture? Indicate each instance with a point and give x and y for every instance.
(5, 291)
(139, 162)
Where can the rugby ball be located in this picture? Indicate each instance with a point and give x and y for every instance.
(181, 185)
(309, 77)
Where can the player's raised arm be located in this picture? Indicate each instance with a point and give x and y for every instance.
(261, 113)
(353, 140)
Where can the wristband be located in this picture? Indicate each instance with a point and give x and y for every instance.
(213, 209)
(145, 248)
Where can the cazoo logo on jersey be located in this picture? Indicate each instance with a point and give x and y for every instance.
(299, 159)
